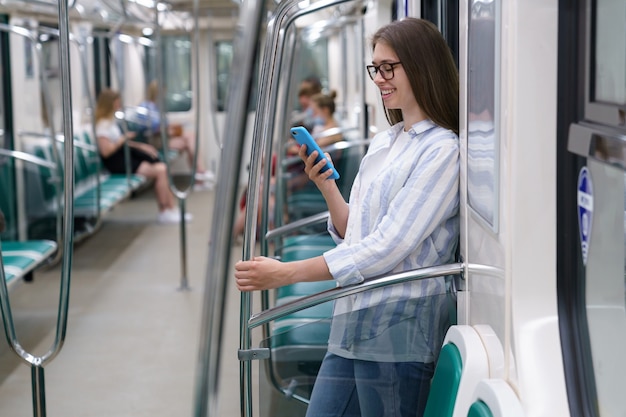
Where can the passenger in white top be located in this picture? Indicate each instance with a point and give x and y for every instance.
(403, 214)
(144, 158)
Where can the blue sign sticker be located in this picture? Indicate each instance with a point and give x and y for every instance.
(585, 210)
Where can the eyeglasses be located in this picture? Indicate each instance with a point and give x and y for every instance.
(385, 69)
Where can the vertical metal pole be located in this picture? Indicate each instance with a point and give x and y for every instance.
(37, 372)
(184, 282)
(240, 88)
(39, 391)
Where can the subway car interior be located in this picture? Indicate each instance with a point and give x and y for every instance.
(117, 287)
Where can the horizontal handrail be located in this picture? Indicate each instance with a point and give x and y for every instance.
(277, 312)
(28, 158)
(298, 224)
(59, 138)
(78, 143)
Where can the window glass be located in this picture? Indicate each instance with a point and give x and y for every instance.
(482, 140)
(177, 60)
(605, 289)
(610, 52)
(4, 142)
(224, 59)
(311, 61)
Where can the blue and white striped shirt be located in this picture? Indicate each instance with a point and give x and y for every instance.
(405, 217)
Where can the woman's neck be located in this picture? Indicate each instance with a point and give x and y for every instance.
(415, 115)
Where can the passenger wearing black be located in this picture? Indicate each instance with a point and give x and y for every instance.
(143, 157)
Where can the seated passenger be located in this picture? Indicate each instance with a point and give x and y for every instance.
(178, 139)
(143, 157)
(323, 109)
(309, 87)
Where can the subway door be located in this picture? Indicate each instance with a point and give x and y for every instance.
(591, 193)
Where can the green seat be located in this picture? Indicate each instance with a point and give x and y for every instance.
(494, 397)
(461, 365)
(305, 203)
(16, 266)
(299, 341)
(479, 409)
(20, 258)
(445, 383)
(36, 248)
(304, 247)
(92, 190)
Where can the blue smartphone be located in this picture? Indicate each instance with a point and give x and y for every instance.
(303, 137)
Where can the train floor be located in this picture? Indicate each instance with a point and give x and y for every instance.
(132, 339)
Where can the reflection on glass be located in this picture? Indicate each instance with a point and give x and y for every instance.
(3, 137)
(610, 51)
(605, 286)
(402, 325)
(481, 139)
(224, 58)
(177, 58)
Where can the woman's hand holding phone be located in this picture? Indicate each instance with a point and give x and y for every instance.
(302, 136)
(314, 169)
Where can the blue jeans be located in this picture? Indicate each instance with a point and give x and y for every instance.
(356, 388)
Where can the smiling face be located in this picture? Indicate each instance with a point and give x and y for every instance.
(396, 92)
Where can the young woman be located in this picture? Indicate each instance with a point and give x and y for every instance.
(403, 214)
(143, 157)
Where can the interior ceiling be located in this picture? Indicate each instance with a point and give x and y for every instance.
(207, 7)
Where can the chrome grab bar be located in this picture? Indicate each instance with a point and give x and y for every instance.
(37, 362)
(28, 158)
(298, 224)
(181, 195)
(218, 271)
(339, 292)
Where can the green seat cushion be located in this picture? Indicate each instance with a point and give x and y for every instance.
(299, 334)
(16, 265)
(35, 247)
(445, 384)
(479, 409)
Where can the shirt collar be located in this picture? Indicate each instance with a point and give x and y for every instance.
(415, 130)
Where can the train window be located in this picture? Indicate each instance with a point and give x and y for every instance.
(605, 287)
(482, 138)
(610, 56)
(444, 14)
(50, 56)
(606, 63)
(4, 141)
(177, 57)
(224, 59)
(311, 60)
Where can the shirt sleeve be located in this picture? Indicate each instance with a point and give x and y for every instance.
(333, 232)
(426, 200)
(109, 130)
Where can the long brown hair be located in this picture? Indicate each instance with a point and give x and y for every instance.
(429, 66)
(105, 108)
